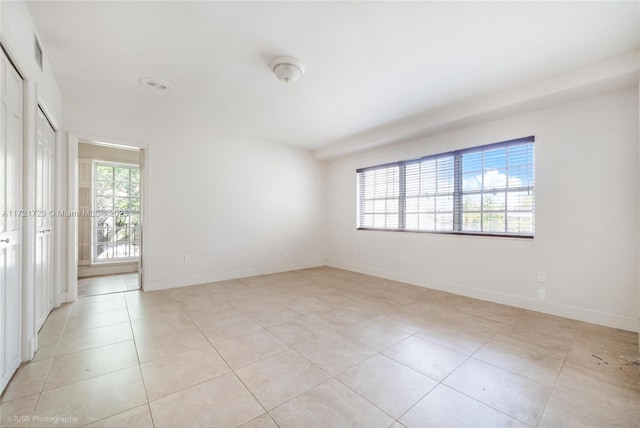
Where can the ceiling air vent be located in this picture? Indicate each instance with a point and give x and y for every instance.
(38, 51)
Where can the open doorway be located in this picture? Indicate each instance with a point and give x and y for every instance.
(109, 221)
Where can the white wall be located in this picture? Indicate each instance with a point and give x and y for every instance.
(586, 217)
(237, 207)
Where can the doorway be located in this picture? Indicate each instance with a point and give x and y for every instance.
(109, 218)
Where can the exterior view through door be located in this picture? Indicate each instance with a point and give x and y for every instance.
(109, 236)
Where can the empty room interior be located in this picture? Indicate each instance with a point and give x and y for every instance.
(319, 214)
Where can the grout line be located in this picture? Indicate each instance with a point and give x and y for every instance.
(441, 382)
(553, 390)
(226, 362)
(135, 346)
(360, 395)
(250, 392)
(44, 380)
(475, 399)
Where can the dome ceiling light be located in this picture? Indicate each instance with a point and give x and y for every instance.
(287, 69)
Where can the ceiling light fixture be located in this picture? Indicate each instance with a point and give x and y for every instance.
(287, 69)
(157, 84)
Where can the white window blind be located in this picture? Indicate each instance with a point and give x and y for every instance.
(497, 190)
(482, 190)
(379, 202)
(429, 194)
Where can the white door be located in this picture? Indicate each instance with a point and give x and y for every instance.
(44, 221)
(11, 220)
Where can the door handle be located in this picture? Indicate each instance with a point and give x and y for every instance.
(5, 240)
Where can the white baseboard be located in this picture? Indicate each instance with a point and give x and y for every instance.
(71, 296)
(63, 297)
(30, 347)
(163, 284)
(558, 309)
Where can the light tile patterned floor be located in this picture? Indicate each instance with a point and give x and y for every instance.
(320, 348)
(95, 285)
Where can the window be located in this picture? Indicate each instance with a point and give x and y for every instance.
(487, 190)
(116, 217)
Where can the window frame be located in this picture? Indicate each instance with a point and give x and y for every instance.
(458, 192)
(94, 226)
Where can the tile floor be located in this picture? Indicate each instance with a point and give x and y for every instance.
(320, 348)
(95, 285)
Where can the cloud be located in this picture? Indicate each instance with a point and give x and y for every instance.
(493, 179)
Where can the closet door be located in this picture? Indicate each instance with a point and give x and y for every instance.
(44, 222)
(11, 220)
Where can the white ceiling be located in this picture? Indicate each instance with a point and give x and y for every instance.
(367, 63)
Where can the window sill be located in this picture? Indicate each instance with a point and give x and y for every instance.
(435, 232)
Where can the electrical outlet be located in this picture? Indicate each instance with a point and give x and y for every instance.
(187, 258)
(542, 276)
(542, 294)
